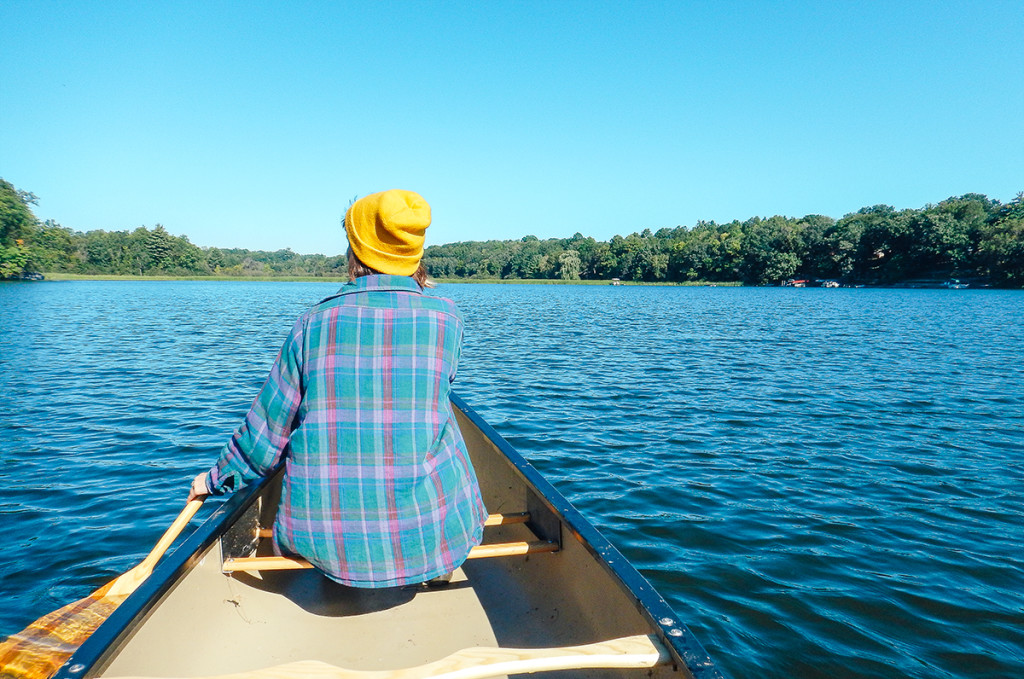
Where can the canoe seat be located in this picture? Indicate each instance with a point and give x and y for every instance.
(492, 550)
(479, 663)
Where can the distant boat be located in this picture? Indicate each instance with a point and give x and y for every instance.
(954, 284)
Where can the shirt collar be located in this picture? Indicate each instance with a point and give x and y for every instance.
(381, 282)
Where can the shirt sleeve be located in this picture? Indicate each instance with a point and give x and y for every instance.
(258, 445)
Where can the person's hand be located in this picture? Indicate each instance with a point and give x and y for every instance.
(198, 489)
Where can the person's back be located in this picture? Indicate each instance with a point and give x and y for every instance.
(378, 488)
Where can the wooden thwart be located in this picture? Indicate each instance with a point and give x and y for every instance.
(506, 519)
(479, 663)
(492, 520)
(512, 549)
(285, 563)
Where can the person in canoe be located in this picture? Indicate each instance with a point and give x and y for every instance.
(378, 489)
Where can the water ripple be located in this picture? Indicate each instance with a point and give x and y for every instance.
(823, 483)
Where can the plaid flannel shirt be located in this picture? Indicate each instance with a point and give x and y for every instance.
(378, 488)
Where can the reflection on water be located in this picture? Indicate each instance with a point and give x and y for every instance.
(821, 482)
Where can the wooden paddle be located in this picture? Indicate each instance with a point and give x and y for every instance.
(480, 663)
(41, 648)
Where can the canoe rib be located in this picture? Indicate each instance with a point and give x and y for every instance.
(285, 563)
(479, 663)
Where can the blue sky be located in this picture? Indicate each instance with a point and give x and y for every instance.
(254, 124)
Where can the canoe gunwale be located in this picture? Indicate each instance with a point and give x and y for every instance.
(687, 652)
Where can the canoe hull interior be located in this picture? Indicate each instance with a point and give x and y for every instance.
(201, 622)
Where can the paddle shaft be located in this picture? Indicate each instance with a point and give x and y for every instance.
(172, 533)
(127, 582)
(41, 648)
(480, 663)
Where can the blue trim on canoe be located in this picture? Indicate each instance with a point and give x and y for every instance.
(671, 631)
(685, 647)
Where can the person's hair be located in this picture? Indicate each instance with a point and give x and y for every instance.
(356, 269)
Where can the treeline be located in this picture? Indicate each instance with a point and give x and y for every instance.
(155, 252)
(967, 237)
(26, 245)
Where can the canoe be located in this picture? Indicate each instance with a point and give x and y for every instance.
(545, 592)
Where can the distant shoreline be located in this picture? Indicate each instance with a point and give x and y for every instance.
(56, 277)
(339, 279)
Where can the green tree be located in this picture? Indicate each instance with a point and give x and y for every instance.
(703, 253)
(52, 248)
(1002, 252)
(940, 243)
(17, 226)
(1013, 209)
(569, 265)
(817, 249)
(882, 244)
(187, 258)
(159, 248)
(524, 260)
(1001, 244)
(639, 258)
(769, 250)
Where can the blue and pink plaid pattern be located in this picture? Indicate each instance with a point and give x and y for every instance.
(378, 490)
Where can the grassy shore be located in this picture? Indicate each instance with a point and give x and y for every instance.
(340, 279)
(548, 281)
(269, 279)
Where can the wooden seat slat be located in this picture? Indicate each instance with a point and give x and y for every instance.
(492, 520)
(285, 563)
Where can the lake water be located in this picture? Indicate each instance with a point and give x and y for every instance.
(823, 483)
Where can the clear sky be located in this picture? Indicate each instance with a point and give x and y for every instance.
(253, 124)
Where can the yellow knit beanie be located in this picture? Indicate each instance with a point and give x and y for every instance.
(385, 230)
